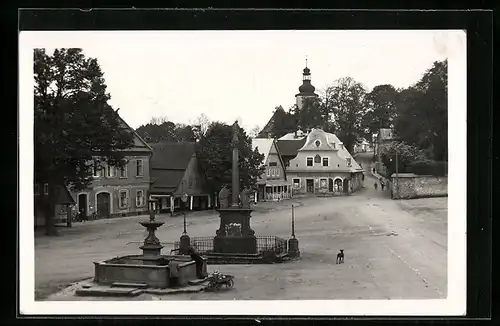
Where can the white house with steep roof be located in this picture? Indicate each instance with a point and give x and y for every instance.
(323, 165)
(273, 183)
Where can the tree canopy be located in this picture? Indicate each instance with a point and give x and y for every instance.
(73, 122)
(380, 106)
(214, 153)
(160, 129)
(422, 112)
(344, 101)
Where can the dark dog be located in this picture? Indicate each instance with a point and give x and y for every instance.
(340, 257)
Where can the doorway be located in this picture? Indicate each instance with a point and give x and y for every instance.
(346, 186)
(338, 185)
(103, 205)
(310, 185)
(82, 205)
(330, 185)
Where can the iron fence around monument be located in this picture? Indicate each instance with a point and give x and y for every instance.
(205, 245)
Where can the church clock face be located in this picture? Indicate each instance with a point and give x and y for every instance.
(317, 143)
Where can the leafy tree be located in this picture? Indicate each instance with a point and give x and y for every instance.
(158, 130)
(254, 132)
(344, 101)
(283, 123)
(185, 133)
(73, 124)
(407, 154)
(311, 115)
(215, 158)
(422, 109)
(380, 105)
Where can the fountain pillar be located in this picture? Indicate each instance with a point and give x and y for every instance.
(151, 249)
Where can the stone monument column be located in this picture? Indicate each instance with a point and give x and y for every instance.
(235, 174)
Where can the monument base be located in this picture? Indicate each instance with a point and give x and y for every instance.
(246, 244)
(293, 248)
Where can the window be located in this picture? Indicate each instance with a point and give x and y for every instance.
(348, 161)
(325, 161)
(317, 143)
(96, 170)
(268, 172)
(277, 172)
(139, 169)
(139, 198)
(45, 188)
(37, 189)
(309, 161)
(123, 171)
(296, 183)
(317, 159)
(110, 171)
(273, 170)
(123, 199)
(323, 183)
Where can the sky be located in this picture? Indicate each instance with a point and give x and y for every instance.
(244, 75)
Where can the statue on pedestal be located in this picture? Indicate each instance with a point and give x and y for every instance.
(235, 134)
(245, 198)
(223, 197)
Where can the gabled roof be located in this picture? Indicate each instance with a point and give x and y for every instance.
(171, 155)
(62, 195)
(263, 145)
(289, 147)
(138, 139)
(169, 163)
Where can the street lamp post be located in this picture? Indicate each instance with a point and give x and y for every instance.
(293, 243)
(397, 176)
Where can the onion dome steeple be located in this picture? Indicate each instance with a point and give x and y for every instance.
(306, 89)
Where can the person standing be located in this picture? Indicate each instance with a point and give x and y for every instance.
(375, 185)
(382, 184)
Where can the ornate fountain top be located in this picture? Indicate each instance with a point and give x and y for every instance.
(151, 210)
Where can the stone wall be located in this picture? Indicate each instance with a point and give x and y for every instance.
(418, 186)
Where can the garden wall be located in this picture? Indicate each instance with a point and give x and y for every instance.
(418, 186)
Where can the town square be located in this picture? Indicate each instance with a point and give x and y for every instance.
(220, 172)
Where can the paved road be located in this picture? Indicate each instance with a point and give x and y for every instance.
(393, 250)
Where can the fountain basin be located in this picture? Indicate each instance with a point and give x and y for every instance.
(151, 224)
(165, 271)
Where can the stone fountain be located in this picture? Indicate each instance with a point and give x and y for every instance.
(151, 269)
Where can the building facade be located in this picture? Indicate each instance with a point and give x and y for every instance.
(116, 191)
(273, 184)
(175, 174)
(63, 203)
(323, 165)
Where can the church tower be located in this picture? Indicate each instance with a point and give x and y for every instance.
(306, 90)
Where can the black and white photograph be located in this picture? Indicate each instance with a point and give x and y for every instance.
(287, 172)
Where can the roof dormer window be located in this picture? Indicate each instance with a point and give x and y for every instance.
(317, 143)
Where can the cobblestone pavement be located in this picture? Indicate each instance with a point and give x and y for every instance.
(393, 250)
